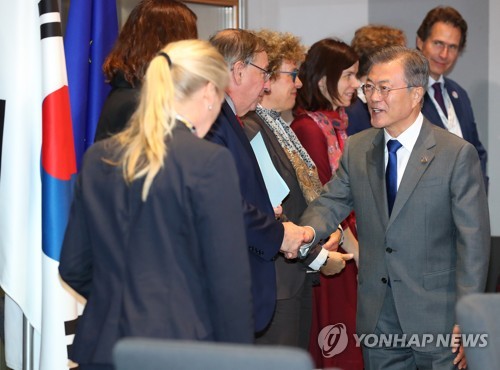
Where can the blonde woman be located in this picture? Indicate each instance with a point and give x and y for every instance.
(147, 243)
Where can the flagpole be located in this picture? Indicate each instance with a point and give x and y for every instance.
(27, 344)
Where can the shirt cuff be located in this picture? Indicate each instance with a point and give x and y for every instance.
(319, 260)
(304, 249)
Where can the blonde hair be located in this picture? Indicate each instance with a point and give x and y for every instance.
(186, 67)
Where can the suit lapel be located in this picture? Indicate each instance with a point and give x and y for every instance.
(420, 158)
(457, 106)
(236, 127)
(279, 153)
(430, 112)
(247, 147)
(376, 175)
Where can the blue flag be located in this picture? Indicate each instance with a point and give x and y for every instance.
(91, 31)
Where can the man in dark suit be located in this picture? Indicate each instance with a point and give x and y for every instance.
(422, 218)
(294, 278)
(248, 62)
(441, 38)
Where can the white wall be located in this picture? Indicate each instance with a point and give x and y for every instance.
(494, 114)
(312, 20)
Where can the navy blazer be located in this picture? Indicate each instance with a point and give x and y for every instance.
(264, 233)
(163, 268)
(463, 110)
(359, 117)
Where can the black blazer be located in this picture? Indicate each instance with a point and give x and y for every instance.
(174, 266)
(119, 106)
(359, 117)
(264, 233)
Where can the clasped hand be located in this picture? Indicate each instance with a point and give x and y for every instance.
(295, 236)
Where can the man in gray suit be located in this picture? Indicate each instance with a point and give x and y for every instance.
(433, 248)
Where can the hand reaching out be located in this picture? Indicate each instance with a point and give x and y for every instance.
(294, 237)
(335, 263)
(332, 244)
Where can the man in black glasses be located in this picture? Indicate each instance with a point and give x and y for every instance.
(248, 63)
(294, 278)
(422, 217)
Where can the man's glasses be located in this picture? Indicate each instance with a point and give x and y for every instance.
(369, 89)
(266, 73)
(440, 46)
(293, 74)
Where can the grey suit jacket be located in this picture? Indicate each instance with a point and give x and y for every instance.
(435, 246)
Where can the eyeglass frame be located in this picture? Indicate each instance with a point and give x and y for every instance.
(293, 74)
(267, 74)
(384, 90)
(440, 46)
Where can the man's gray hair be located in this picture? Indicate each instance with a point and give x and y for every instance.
(415, 64)
(237, 45)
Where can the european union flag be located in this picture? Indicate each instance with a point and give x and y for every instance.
(91, 31)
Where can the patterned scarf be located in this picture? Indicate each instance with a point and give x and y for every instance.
(334, 125)
(305, 169)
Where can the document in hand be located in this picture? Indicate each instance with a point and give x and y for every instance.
(276, 186)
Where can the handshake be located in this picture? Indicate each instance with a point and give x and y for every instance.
(297, 236)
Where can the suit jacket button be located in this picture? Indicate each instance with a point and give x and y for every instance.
(383, 280)
(388, 250)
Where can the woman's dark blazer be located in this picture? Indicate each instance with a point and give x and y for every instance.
(174, 266)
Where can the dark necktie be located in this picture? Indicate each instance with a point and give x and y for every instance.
(240, 121)
(438, 95)
(391, 173)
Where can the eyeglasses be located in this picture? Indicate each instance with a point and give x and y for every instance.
(293, 74)
(440, 46)
(266, 73)
(369, 89)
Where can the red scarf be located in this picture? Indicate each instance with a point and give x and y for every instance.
(334, 125)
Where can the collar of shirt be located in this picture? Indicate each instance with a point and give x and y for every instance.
(407, 138)
(361, 95)
(432, 82)
(230, 102)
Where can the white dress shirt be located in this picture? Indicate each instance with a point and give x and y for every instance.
(407, 138)
(451, 122)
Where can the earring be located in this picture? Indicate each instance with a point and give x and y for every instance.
(210, 107)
